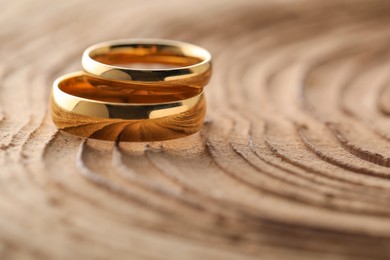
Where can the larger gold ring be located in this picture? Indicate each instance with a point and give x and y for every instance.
(118, 113)
(106, 60)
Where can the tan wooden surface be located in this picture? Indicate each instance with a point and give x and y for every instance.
(292, 163)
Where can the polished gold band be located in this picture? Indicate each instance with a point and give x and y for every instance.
(101, 109)
(106, 60)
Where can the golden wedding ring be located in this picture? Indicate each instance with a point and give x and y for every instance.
(105, 60)
(113, 101)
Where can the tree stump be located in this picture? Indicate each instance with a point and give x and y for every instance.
(291, 163)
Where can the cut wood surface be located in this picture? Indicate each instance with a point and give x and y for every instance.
(293, 161)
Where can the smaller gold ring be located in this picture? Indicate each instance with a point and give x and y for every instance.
(192, 63)
(116, 113)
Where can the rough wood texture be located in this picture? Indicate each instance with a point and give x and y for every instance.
(292, 163)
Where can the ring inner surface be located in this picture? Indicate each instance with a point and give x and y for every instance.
(84, 86)
(139, 55)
